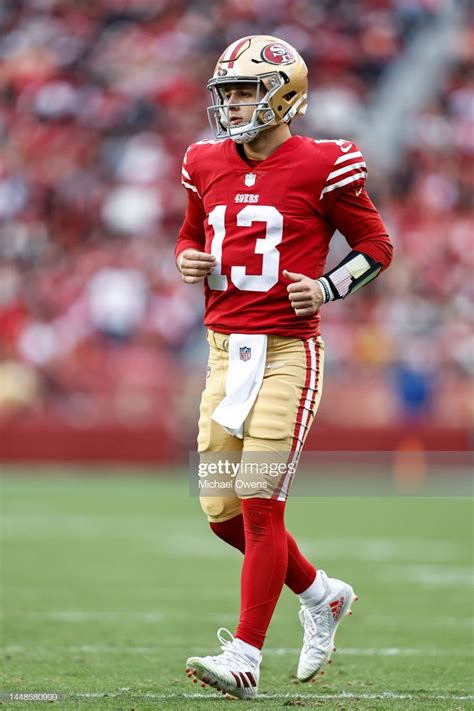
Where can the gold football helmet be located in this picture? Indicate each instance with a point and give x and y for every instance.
(281, 80)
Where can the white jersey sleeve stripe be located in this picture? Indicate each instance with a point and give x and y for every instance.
(341, 183)
(345, 169)
(348, 156)
(190, 187)
(185, 159)
(185, 173)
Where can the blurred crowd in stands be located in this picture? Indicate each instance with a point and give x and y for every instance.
(98, 102)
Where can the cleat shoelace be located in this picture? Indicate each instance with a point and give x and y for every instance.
(313, 624)
(229, 652)
(231, 658)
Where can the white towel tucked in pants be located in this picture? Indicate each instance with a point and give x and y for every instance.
(247, 357)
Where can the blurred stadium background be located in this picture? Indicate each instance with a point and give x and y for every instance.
(102, 353)
(99, 101)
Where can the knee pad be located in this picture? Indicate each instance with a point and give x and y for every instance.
(220, 508)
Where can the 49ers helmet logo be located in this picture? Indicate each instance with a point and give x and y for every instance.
(277, 54)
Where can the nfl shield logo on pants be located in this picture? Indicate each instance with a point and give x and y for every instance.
(250, 179)
(245, 353)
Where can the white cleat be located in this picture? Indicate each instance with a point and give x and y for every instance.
(232, 672)
(320, 623)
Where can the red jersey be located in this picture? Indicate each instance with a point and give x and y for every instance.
(278, 214)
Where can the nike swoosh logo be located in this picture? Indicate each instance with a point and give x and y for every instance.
(358, 192)
(346, 150)
(276, 365)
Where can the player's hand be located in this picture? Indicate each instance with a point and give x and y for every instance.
(195, 266)
(305, 294)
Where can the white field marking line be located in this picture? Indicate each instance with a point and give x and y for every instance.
(275, 651)
(85, 616)
(32, 524)
(382, 652)
(42, 589)
(25, 526)
(394, 621)
(218, 617)
(167, 541)
(375, 549)
(444, 576)
(273, 697)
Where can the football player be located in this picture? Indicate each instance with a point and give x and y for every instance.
(262, 207)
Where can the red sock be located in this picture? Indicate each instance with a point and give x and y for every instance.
(264, 567)
(231, 531)
(300, 573)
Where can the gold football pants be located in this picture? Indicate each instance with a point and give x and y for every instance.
(262, 464)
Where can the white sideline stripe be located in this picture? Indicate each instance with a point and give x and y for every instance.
(274, 697)
(274, 652)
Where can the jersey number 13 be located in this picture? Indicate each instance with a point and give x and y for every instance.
(264, 245)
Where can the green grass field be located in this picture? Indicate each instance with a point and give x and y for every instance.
(110, 582)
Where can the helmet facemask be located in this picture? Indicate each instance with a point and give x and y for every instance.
(280, 78)
(263, 115)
